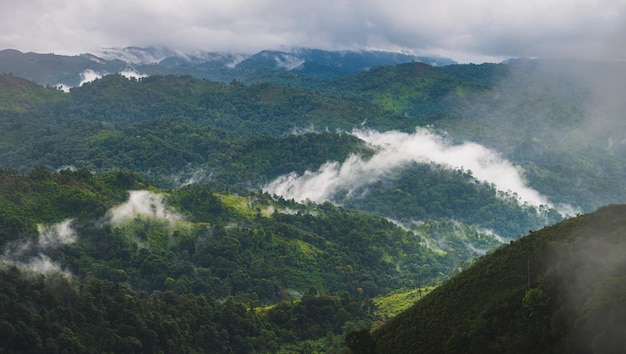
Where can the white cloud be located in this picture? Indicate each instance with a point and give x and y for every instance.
(395, 150)
(42, 264)
(20, 253)
(476, 29)
(142, 203)
(89, 76)
(61, 233)
(132, 74)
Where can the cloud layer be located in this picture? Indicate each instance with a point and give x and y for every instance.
(397, 149)
(477, 30)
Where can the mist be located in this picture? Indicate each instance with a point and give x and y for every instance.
(562, 119)
(31, 254)
(91, 75)
(88, 76)
(142, 204)
(131, 74)
(395, 150)
(44, 265)
(57, 234)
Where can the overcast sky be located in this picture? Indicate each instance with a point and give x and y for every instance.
(465, 30)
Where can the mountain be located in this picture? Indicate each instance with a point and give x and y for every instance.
(70, 71)
(557, 290)
(53, 69)
(326, 64)
(556, 119)
(549, 121)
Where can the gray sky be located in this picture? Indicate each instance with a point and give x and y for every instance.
(466, 30)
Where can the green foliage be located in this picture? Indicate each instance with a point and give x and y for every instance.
(171, 127)
(394, 303)
(140, 285)
(102, 316)
(546, 292)
(44, 197)
(423, 192)
(253, 109)
(154, 274)
(415, 89)
(20, 95)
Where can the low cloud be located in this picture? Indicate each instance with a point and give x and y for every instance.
(31, 254)
(396, 150)
(142, 204)
(57, 234)
(63, 87)
(42, 264)
(91, 75)
(198, 176)
(289, 62)
(132, 74)
(88, 76)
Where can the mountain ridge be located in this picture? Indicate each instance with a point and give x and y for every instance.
(52, 69)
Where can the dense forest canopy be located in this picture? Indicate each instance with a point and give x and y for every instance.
(128, 206)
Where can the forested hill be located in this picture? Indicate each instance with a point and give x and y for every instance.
(559, 120)
(168, 129)
(107, 263)
(20, 95)
(557, 290)
(245, 109)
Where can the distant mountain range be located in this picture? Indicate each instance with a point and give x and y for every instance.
(70, 71)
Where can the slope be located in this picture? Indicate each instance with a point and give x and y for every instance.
(101, 254)
(556, 290)
(51, 69)
(20, 95)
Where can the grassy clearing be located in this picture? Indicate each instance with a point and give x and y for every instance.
(391, 304)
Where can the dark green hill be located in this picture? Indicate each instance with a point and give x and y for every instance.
(557, 290)
(52, 69)
(20, 95)
(244, 109)
(415, 89)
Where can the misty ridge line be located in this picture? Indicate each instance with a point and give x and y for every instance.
(90, 75)
(395, 150)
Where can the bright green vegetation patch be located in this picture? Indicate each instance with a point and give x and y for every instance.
(241, 205)
(392, 304)
(460, 91)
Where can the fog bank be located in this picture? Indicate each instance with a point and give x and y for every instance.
(395, 150)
